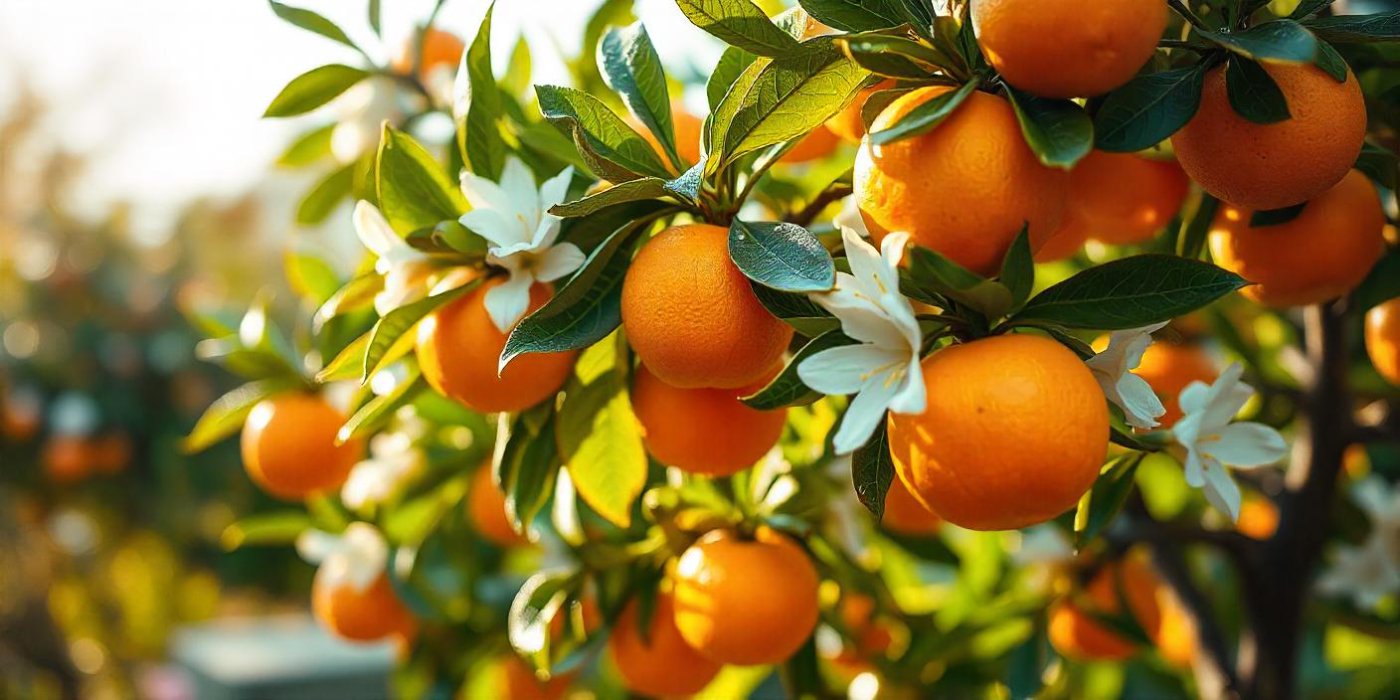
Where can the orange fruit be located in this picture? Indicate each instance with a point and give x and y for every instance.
(1062, 49)
(1175, 635)
(1015, 432)
(965, 189)
(687, 129)
(848, 123)
(905, 515)
(66, 459)
(662, 664)
(459, 349)
(746, 602)
(1322, 254)
(1169, 368)
(872, 635)
(704, 431)
(1116, 198)
(1077, 635)
(1258, 517)
(691, 315)
(1271, 166)
(486, 507)
(1383, 339)
(289, 447)
(441, 50)
(361, 616)
(819, 143)
(521, 683)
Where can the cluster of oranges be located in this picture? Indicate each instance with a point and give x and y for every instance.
(1129, 589)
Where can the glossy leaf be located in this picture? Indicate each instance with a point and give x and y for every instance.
(389, 335)
(1131, 293)
(1352, 29)
(1018, 268)
(225, 416)
(1058, 131)
(872, 472)
(854, 15)
(1280, 40)
(787, 388)
(925, 117)
(1105, 499)
(739, 23)
(1148, 109)
(630, 66)
(604, 139)
(414, 191)
(313, 88)
(796, 310)
(781, 255)
(311, 22)
(1253, 93)
(478, 107)
(601, 442)
(637, 190)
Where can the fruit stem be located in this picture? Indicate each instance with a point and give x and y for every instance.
(1187, 14)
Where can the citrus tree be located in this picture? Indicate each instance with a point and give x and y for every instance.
(950, 348)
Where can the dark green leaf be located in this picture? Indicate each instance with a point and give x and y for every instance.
(1274, 217)
(796, 310)
(1279, 40)
(313, 89)
(872, 472)
(854, 15)
(1018, 269)
(933, 273)
(1350, 29)
(529, 467)
(1382, 284)
(632, 191)
(1059, 131)
(1307, 8)
(893, 56)
(924, 118)
(585, 310)
(1027, 664)
(787, 388)
(391, 332)
(1331, 62)
(739, 23)
(731, 65)
(1380, 165)
(1105, 499)
(478, 136)
(323, 198)
(1067, 339)
(630, 67)
(603, 138)
(781, 255)
(1253, 93)
(414, 192)
(311, 22)
(1148, 109)
(1131, 293)
(801, 673)
(1193, 237)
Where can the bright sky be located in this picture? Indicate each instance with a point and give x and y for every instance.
(166, 94)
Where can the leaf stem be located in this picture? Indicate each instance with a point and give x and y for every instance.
(1188, 15)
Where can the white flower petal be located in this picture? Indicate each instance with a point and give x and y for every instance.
(1222, 491)
(841, 370)
(1139, 402)
(506, 303)
(373, 229)
(1195, 467)
(1248, 445)
(558, 261)
(864, 414)
(1193, 398)
(314, 545)
(493, 225)
(482, 193)
(850, 218)
(912, 395)
(556, 188)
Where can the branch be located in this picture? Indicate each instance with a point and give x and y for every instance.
(807, 214)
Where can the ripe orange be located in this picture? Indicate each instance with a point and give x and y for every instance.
(289, 446)
(1258, 517)
(1383, 339)
(1077, 635)
(1175, 635)
(520, 682)
(1169, 368)
(1271, 166)
(691, 315)
(848, 123)
(965, 189)
(704, 431)
(1015, 432)
(1056, 48)
(459, 349)
(486, 506)
(746, 602)
(872, 635)
(1322, 254)
(661, 665)
(905, 515)
(687, 129)
(441, 49)
(361, 616)
(818, 144)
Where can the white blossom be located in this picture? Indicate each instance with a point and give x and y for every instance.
(850, 218)
(1370, 571)
(1214, 441)
(513, 216)
(1113, 367)
(355, 558)
(394, 461)
(883, 369)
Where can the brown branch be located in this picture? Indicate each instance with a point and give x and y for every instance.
(805, 215)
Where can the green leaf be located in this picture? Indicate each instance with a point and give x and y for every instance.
(781, 255)
(1380, 165)
(1148, 109)
(1307, 8)
(601, 443)
(796, 310)
(539, 600)
(1193, 237)
(893, 56)
(391, 333)
(638, 190)
(931, 272)
(349, 363)
(308, 148)
(788, 97)
(585, 310)
(378, 411)
(1382, 284)
(325, 196)
(787, 388)
(311, 22)
(449, 236)
(226, 415)
(1059, 131)
(1131, 293)
(375, 17)
(732, 64)
(854, 15)
(872, 471)
(414, 192)
(1280, 40)
(925, 117)
(1253, 93)
(313, 89)
(1274, 217)
(1105, 499)
(516, 81)
(280, 528)
(611, 148)
(529, 466)
(630, 67)
(1331, 62)
(480, 108)
(739, 23)
(1027, 664)
(1018, 268)
(1352, 29)
(310, 277)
